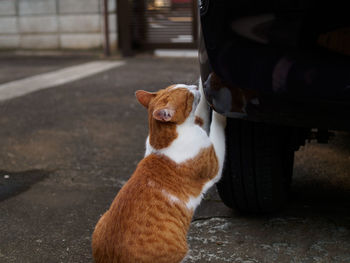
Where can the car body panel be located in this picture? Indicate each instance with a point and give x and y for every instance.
(282, 62)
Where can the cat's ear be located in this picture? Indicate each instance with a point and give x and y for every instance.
(164, 114)
(144, 97)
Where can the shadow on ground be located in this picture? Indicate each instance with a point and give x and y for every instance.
(13, 183)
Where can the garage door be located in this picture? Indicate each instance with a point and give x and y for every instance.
(164, 23)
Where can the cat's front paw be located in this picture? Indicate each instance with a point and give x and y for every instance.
(203, 111)
(219, 119)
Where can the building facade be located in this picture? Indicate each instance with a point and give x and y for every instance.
(56, 24)
(80, 24)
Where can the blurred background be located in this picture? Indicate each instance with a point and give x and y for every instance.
(97, 24)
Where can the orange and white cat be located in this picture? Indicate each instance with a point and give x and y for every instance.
(149, 218)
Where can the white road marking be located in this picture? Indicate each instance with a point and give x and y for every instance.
(176, 53)
(24, 86)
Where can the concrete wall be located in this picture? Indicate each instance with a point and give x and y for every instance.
(55, 24)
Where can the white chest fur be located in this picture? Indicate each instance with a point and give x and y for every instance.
(190, 141)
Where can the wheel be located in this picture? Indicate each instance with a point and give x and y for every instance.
(258, 167)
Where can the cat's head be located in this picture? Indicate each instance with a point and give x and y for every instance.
(174, 104)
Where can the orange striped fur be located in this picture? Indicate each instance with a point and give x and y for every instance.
(150, 216)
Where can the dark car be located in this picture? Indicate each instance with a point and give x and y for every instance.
(280, 70)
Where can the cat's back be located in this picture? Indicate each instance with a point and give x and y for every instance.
(145, 223)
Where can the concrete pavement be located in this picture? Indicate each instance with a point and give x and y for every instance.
(66, 151)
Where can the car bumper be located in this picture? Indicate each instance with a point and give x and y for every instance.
(274, 81)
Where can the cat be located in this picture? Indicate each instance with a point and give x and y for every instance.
(149, 218)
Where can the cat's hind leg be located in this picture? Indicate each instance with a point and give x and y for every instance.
(203, 111)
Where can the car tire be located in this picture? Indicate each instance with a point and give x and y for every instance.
(258, 166)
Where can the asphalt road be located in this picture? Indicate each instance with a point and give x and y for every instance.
(66, 151)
